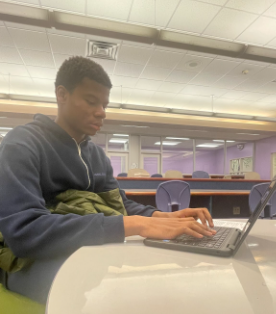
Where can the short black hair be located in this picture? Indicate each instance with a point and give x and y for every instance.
(75, 69)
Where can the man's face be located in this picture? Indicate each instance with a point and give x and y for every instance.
(84, 108)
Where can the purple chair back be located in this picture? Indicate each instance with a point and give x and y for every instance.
(173, 195)
(255, 196)
(122, 174)
(200, 175)
(157, 175)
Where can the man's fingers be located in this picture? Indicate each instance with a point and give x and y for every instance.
(209, 217)
(202, 229)
(202, 218)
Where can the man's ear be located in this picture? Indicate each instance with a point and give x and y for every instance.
(61, 94)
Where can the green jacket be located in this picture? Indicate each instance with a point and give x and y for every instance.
(76, 202)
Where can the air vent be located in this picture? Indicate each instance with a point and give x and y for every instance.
(102, 50)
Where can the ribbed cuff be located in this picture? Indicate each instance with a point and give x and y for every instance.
(114, 230)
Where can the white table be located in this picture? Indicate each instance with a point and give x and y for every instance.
(131, 278)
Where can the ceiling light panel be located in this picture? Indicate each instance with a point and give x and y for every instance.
(208, 145)
(229, 23)
(30, 39)
(178, 138)
(136, 55)
(167, 143)
(189, 17)
(116, 10)
(260, 32)
(165, 59)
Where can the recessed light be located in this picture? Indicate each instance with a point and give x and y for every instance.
(167, 143)
(5, 129)
(248, 134)
(209, 145)
(135, 126)
(178, 138)
(118, 140)
(120, 135)
(218, 141)
(230, 141)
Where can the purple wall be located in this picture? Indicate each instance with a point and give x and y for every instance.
(116, 165)
(264, 149)
(151, 165)
(180, 163)
(210, 161)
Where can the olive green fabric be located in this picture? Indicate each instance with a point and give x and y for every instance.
(81, 203)
(13, 303)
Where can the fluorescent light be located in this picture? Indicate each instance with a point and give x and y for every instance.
(198, 41)
(192, 112)
(266, 119)
(261, 51)
(218, 141)
(248, 134)
(135, 126)
(178, 138)
(230, 141)
(5, 129)
(234, 116)
(118, 140)
(120, 135)
(105, 25)
(167, 143)
(209, 145)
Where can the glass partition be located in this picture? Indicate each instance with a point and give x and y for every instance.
(118, 142)
(150, 154)
(210, 156)
(239, 157)
(178, 155)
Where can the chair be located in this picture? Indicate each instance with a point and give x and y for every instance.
(13, 303)
(200, 175)
(255, 196)
(157, 175)
(138, 173)
(173, 195)
(122, 174)
(173, 174)
(251, 176)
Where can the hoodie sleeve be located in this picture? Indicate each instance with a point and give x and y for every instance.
(28, 227)
(131, 207)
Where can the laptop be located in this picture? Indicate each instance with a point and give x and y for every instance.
(225, 242)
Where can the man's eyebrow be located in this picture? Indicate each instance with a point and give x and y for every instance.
(88, 95)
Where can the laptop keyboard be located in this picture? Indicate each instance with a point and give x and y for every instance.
(214, 241)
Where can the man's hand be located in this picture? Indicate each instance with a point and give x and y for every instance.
(165, 228)
(197, 213)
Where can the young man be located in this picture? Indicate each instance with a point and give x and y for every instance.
(40, 160)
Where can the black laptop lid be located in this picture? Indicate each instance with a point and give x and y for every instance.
(255, 215)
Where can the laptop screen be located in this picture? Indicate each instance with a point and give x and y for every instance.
(255, 215)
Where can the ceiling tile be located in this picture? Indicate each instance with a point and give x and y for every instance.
(140, 97)
(253, 96)
(128, 69)
(30, 39)
(66, 5)
(152, 12)
(25, 26)
(203, 91)
(190, 102)
(205, 79)
(4, 84)
(234, 94)
(131, 54)
(269, 99)
(266, 75)
(269, 88)
(37, 58)
(160, 99)
(189, 17)
(260, 32)
(272, 43)
(120, 95)
(253, 69)
(38, 72)
(271, 11)
(249, 85)
(13, 69)
(193, 63)
(30, 1)
(68, 45)
(165, 59)
(169, 87)
(10, 55)
(23, 86)
(6, 39)
(229, 23)
(148, 84)
(220, 67)
(230, 81)
(155, 73)
(125, 81)
(217, 2)
(65, 33)
(60, 58)
(45, 87)
(108, 65)
(117, 10)
(181, 76)
(254, 6)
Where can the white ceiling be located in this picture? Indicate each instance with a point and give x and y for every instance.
(150, 75)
